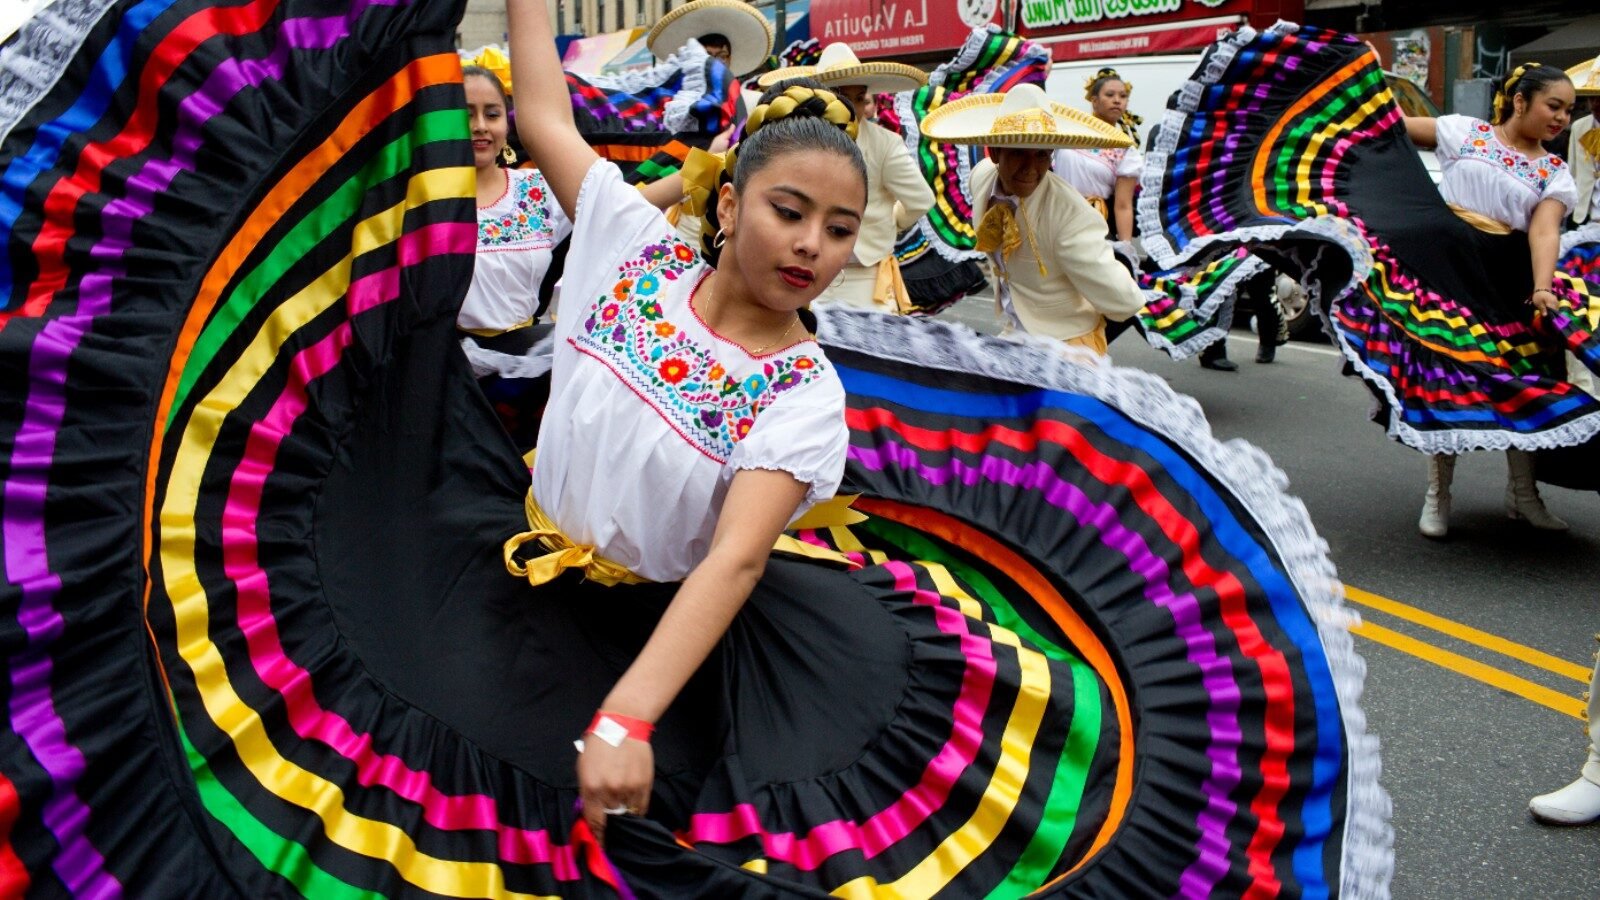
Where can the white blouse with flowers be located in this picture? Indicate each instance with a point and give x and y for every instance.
(1094, 173)
(517, 235)
(1480, 173)
(651, 412)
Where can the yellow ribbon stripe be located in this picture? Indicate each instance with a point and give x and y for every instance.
(278, 775)
(935, 871)
(564, 554)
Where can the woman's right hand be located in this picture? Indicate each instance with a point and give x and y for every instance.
(614, 778)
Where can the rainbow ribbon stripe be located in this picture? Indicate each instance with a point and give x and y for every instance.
(1294, 148)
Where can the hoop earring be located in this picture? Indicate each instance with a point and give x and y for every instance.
(508, 155)
(719, 239)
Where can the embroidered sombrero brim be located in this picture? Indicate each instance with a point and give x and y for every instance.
(748, 33)
(1586, 78)
(876, 77)
(979, 119)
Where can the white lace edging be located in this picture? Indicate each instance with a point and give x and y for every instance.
(1242, 469)
(533, 364)
(1147, 209)
(690, 59)
(1584, 234)
(964, 58)
(34, 61)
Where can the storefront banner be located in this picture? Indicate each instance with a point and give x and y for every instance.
(1041, 17)
(1142, 40)
(880, 28)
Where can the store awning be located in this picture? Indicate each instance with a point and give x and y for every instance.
(1573, 43)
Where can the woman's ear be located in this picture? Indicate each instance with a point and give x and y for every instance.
(727, 208)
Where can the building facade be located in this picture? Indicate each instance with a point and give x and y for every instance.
(485, 20)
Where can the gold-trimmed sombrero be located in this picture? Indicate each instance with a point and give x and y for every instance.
(839, 67)
(1586, 77)
(1024, 118)
(748, 33)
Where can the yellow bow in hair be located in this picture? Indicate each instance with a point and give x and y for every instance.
(493, 59)
(1590, 142)
(701, 173)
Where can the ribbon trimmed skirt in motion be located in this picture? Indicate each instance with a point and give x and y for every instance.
(259, 640)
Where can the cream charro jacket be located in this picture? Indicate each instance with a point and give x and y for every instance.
(1083, 279)
(1582, 169)
(897, 195)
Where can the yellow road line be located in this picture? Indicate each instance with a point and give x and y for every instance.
(1469, 634)
(1473, 669)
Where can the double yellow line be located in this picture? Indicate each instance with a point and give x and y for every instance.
(1471, 668)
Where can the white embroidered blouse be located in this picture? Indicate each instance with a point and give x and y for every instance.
(516, 237)
(651, 412)
(1482, 174)
(1094, 173)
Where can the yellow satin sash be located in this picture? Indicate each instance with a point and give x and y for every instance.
(563, 554)
(1480, 221)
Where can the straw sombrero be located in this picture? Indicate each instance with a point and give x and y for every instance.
(1586, 77)
(749, 36)
(838, 67)
(1023, 118)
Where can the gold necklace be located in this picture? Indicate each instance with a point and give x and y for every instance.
(1503, 133)
(711, 292)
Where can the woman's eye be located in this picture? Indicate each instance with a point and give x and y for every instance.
(840, 231)
(785, 212)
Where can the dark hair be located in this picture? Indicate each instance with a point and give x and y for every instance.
(1526, 80)
(481, 72)
(720, 40)
(801, 128)
(1099, 81)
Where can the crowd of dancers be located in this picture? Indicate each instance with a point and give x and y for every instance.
(608, 514)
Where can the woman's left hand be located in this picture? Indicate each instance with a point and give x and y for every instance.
(617, 779)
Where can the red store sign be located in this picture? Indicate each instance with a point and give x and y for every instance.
(885, 28)
(1083, 29)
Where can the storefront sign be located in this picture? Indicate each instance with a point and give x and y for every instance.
(1172, 37)
(1045, 14)
(879, 28)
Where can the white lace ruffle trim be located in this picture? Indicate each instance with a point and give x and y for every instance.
(691, 61)
(1242, 469)
(34, 61)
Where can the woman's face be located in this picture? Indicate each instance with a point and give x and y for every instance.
(793, 234)
(1111, 101)
(486, 109)
(1022, 171)
(866, 105)
(1545, 114)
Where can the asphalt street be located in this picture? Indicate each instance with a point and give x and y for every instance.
(1474, 645)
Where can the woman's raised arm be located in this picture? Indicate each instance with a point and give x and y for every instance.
(544, 108)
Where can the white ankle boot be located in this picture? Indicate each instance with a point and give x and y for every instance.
(1522, 494)
(1435, 521)
(1576, 804)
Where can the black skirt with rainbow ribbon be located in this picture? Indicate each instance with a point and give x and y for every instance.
(259, 640)
(1289, 143)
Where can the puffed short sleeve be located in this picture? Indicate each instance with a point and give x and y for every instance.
(1450, 133)
(1131, 165)
(1562, 187)
(805, 436)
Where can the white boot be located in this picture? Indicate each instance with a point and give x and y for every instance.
(1435, 521)
(1576, 804)
(1522, 494)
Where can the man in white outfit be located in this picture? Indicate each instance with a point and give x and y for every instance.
(897, 194)
(1583, 146)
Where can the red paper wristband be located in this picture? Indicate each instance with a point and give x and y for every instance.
(614, 727)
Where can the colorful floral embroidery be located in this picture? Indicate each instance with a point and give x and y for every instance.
(1481, 144)
(681, 378)
(521, 219)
